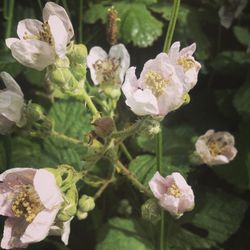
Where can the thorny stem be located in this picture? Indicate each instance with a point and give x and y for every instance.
(126, 152)
(167, 44)
(123, 170)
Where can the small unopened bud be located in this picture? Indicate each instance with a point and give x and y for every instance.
(151, 127)
(104, 126)
(77, 53)
(150, 211)
(34, 112)
(69, 206)
(112, 90)
(125, 208)
(86, 203)
(186, 99)
(81, 215)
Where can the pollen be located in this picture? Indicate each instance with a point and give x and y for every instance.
(26, 203)
(44, 34)
(216, 147)
(186, 63)
(173, 190)
(156, 82)
(107, 71)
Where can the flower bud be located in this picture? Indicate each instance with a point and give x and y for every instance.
(111, 90)
(81, 215)
(125, 208)
(34, 112)
(69, 206)
(104, 126)
(86, 203)
(79, 72)
(77, 53)
(150, 126)
(150, 211)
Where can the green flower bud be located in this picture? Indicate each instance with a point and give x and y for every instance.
(62, 62)
(79, 72)
(111, 90)
(150, 126)
(150, 211)
(69, 206)
(125, 208)
(86, 203)
(63, 78)
(57, 175)
(81, 215)
(34, 112)
(77, 53)
(104, 126)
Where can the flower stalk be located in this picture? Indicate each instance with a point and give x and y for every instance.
(167, 44)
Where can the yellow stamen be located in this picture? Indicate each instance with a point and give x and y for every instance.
(173, 190)
(156, 82)
(186, 63)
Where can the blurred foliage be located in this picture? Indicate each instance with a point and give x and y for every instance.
(220, 101)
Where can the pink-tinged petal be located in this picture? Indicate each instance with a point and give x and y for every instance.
(59, 34)
(218, 160)
(33, 53)
(13, 229)
(29, 27)
(179, 181)
(53, 9)
(18, 176)
(170, 203)
(230, 152)
(95, 54)
(10, 83)
(158, 185)
(120, 53)
(173, 52)
(130, 84)
(66, 231)
(49, 194)
(6, 198)
(143, 102)
(10, 41)
(188, 51)
(39, 228)
(186, 201)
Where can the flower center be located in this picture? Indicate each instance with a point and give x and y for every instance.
(186, 63)
(155, 82)
(107, 71)
(216, 147)
(43, 35)
(173, 190)
(27, 203)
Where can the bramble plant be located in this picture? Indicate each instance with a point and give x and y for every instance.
(90, 141)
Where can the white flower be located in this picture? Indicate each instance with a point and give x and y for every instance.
(173, 193)
(108, 68)
(158, 91)
(40, 43)
(31, 199)
(216, 148)
(186, 66)
(63, 229)
(11, 104)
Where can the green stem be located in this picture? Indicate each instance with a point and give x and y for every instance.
(126, 152)
(40, 4)
(10, 18)
(171, 26)
(123, 170)
(167, 44)
(80, 21)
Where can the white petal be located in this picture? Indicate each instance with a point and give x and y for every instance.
(158, 185)
(38, 229)
(143, 102)
(10, 83)
(179, 180)
(174, 51)
(95, 54)
(59, 34)
(66, 231)
(218, 160)
(29, 27)
(49, 194)
(130, 84)
(120, 53)
(33, 53)
(57, 10)
(10, 238)
(10, 41)
(170, 203)
(188, 51)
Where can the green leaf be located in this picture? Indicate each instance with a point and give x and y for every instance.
(122, 234)
(242, 34)
(177, 143)
(137, 24)
(241, 99)
(215, 218)
(188, 26)
(71, 119)
(144, 167)
(96, 12)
